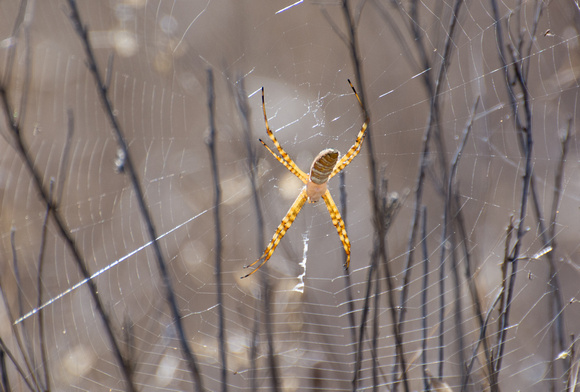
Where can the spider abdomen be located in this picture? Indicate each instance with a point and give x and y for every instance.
(320, 172)
(323, 165)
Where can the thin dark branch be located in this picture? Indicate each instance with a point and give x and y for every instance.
(572, 379)
(556, 307)
(23, 340)
(40, 287)
(363, 320)
(558, 179)
(333, 26)
(379, 227)
(251, 158)
(449, 218)
(244, 110)
(523, 124)
(494, 376)
(347, 280)
(375, 337)
(130, 170)
(61, 177)
(64, 231)
(23, 376)
(482, 338)
(16, 271)
(211, 141)
(434, 129)
(267, 303)
(4, 372)
(425, 285)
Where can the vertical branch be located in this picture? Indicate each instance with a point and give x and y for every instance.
(556, 306)
(272, 363)
(102, 92)
(347, 280)
(218, 231)
(378, 214)
(363, 320)
(22, 337)
(424, 310)
(433, 129)
(523, 123)
(40, 285)
(251, 158)
(5, 383)
(23, 376)
(375, 337)
(244, 110)
(449, 218)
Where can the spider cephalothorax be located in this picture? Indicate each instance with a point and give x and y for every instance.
(325, 166)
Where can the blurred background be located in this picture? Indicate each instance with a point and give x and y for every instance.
(451, 299)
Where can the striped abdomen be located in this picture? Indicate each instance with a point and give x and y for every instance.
(320, 172)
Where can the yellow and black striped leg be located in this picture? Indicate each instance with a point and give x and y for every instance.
(281, 231)
(339, 224)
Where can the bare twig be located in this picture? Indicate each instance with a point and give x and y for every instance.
(130, 170)
(63, 230)
(218, 231)
(363, 320)
(252, 159)
(4, 372)
(40, 286)
(449, 216)
(23, 376)
(556, 306)
(347, 280)
(22, 337)
(523, 123)
(433, 130)
(425, 285)
(375, 337)
(379, 227)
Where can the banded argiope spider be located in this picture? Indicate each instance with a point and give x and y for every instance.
(325, 166)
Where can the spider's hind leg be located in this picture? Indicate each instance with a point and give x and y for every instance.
(280, 231)
(339, 224)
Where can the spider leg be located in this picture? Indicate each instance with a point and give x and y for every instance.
(339, 224)
(293, 169)
(355, 149)
(281, 231)
(284, 158)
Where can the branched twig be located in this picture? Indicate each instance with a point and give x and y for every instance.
(380, 232)
(130, 169)
(5, 351)
(64, 231)
(433, 129)
(218, 231)
(523, 124)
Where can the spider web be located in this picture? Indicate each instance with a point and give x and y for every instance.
(474, 306)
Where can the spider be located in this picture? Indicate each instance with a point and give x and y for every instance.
(325, 166)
